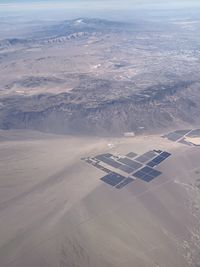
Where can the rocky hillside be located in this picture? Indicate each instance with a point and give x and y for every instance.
(85, 112)
(68, 30)
(93, 76)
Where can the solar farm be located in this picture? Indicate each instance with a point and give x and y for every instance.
(186, 137)
(123, 170)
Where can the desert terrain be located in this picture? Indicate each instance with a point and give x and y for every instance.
(78, 86)
(95, 76)
(55, 210)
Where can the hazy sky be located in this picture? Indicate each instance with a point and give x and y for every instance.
(95, 4)
(76, 8)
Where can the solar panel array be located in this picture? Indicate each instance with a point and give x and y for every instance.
(147, 174)
(117, 180)
(126, 168)
(157, 160)
(180, 136)
(124, 183)
(135, 166)
(106, 159)
(146, 156)
(113, 178)
(131, 163)
(195, 133)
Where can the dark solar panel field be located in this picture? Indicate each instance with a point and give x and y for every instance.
(194, 133)
(157, 160)
(182, 132)
(181, 135)
(126, 169)
(146, 156)
(124, 183)
(165, 154)
(150, 154)
(108, 161)
(142, 159)
(102, 168)
(173, 136)
(147, 174)
(131, 163)
(141, 167)
(113, 178)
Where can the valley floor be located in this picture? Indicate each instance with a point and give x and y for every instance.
(56, 212)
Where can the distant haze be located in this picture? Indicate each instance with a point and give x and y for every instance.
(111, 9)
(94, 4)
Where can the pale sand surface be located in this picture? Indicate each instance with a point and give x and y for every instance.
(193, 140)
(55, 211)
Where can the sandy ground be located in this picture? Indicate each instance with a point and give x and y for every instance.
(55, 212)
(193, 140)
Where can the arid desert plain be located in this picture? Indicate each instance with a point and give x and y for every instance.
(56, 212)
